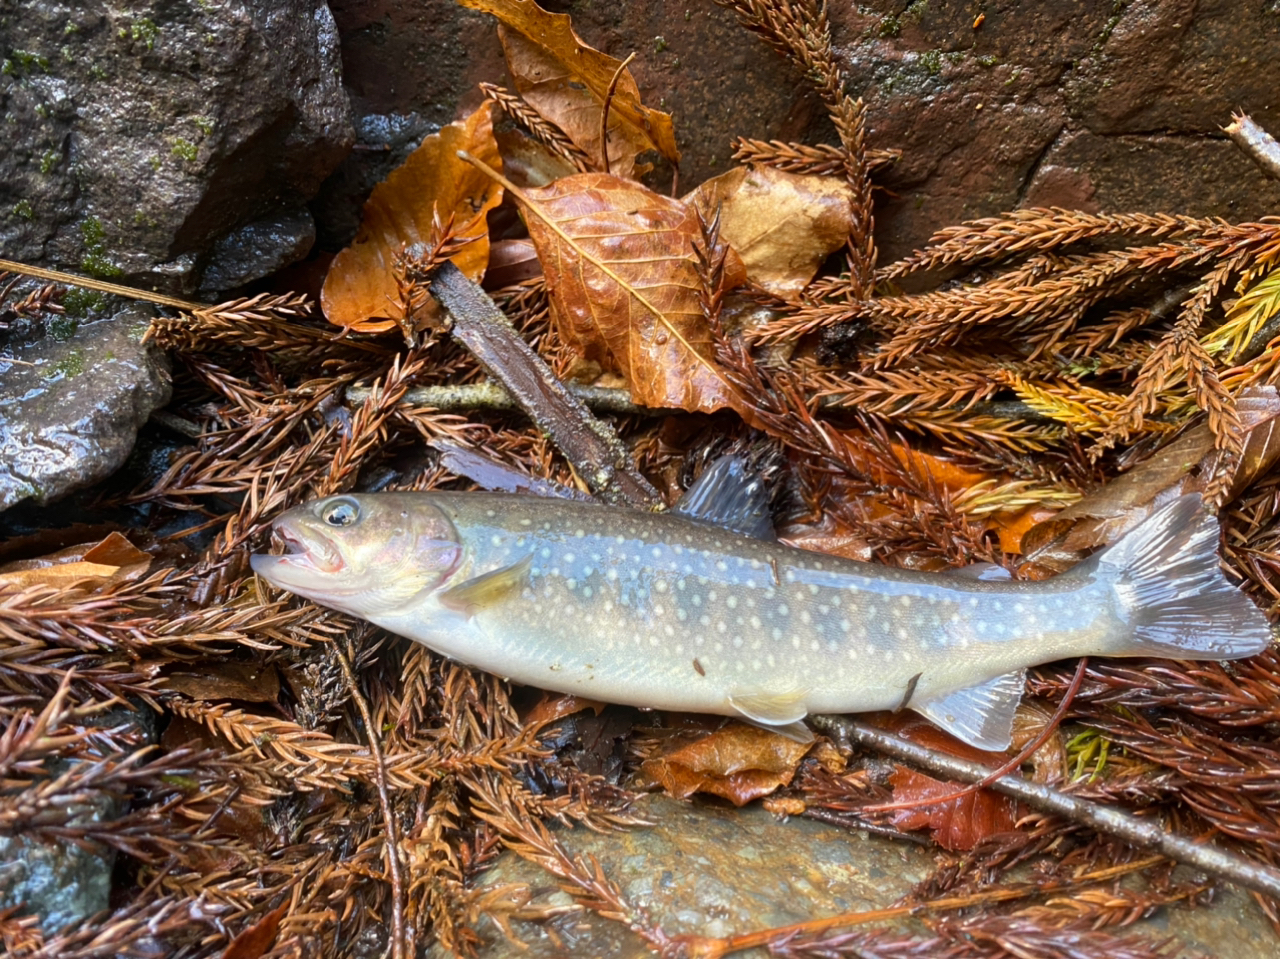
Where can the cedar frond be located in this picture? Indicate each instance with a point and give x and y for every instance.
(1245, 318)
(539, 127)
(820, 159)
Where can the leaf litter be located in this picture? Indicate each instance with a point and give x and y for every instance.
(319, 781)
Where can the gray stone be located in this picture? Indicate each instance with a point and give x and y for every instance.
(70, 411)
(138, 133)
(258, 249)
(59, 881)
(714, 871)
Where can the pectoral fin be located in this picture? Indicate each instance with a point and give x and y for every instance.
(481, 592)
(982, 715)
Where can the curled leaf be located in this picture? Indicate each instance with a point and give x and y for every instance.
(88, 567)
(403, 213)
(567, 82)
(738, 763)
(782, 225)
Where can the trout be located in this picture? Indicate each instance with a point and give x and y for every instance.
(679, 611)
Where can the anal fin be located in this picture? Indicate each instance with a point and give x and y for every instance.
(489, 588)
(981, 715)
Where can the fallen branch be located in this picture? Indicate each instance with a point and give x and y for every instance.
(591, 446)
(1139, 832)
(1259, 145)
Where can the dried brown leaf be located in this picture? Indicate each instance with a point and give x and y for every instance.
(782, 225)
(402, 213)
(624, 286)
(89, 566)
(1190, 464)
(567, 81)
(739, 763)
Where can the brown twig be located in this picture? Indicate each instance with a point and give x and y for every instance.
(401, 945)
(1259, 145)
(604, 112)
(593, 448)
(1138, 832)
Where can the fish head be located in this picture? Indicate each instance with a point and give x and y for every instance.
(362, 554)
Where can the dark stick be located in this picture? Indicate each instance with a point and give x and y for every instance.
(589, 444)
(1139, 832)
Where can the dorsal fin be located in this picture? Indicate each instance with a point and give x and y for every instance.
(727, 494)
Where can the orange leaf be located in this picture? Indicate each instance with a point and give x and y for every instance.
(567, 81)
(961, 823)
(89, 566)
(257, 939)
(738, 763)
(783, 225)
(956, 825)
(360, 289)
(624, 285)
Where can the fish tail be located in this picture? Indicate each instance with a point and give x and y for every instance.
(1174, 599)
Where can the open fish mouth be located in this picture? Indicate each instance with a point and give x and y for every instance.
(292, 549)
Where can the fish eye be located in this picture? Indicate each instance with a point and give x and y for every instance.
(340, 512)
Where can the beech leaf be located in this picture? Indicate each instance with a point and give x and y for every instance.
(360, 290)
(567, 82)
(738, 763)
(624, 287)
(782, 225)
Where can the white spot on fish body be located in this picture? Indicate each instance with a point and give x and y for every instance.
(495, 540)
(732, 602)
(755, 622)
(737, 642)
(805, 617)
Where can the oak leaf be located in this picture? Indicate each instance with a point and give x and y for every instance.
(431, 186)
(782, 225)
(567, 82)
(624, 286)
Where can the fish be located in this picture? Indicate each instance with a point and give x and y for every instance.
(700, 609)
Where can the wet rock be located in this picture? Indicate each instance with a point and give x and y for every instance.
(1117, 105)
(62, 882)
(138, 133)
(258, 249)
(714, 871)
(70, 411)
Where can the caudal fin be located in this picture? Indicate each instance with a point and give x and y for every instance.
(1173, 594)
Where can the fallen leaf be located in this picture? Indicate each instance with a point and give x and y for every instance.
(257, 939)
(88, 566)
(359, 289)
(551, 708)
(623, 286)
(1190, 464)
(227, 680)
(957, 825)
(782, 225)
(962, 823)
(738, 763)
(567, 82)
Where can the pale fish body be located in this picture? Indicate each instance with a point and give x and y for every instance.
(662, 611)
